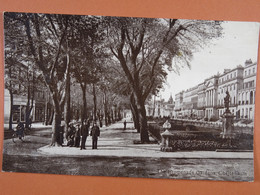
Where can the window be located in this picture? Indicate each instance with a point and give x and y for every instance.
(227, 77)
(245, 72)
(251, 97)
(249, 71)
(253, 70)
(235, 74)
(234, 87)
(230, 76)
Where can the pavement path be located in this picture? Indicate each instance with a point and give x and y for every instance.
(116, 142)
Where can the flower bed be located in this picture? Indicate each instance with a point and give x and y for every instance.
(206, 141)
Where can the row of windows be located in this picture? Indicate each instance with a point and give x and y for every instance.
(228, 76)
(245, 113)
(245, 97)
(249, 71)
(232, 101)
(229, 88)
(248, 84)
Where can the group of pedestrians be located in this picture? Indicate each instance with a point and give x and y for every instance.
(78, 133)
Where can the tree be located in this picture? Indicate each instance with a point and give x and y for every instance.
(145, 47)
(88, 54)
(46, 38)
(20, 77)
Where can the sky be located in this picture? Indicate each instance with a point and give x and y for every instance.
(238, 44)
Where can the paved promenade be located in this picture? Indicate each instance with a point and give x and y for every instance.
(116, 142)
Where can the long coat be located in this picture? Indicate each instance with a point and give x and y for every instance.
(95, 132)
(84, 130)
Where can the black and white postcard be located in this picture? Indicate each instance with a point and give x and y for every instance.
(129, 97)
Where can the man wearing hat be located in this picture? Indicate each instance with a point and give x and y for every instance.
(95, 132)
(84, 134)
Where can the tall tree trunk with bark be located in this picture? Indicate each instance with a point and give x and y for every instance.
(51, 117)
(29, 106)
(11, 109)
(142, 118)
(105, 108)
(134, 113)
(84, 99)
(94, 102)
(67, 110)
(153, 106)
(56, 123)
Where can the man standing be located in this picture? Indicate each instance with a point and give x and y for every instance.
(95, 132)
(84, 134)
(71, 135)
(77, 136)
(125, 125)
(20, 129)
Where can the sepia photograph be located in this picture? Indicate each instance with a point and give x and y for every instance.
(129, 97)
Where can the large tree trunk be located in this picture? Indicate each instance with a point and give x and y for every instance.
(11, 109)
(143, 124)
(51, 117)
(95, 103)
(134, 113)
(46, 117)
(105, 108)
(108, 118)
(67, 110)
(84, 99)
(112, 115)
(56, 124)
(29, 107)
(115, 113)
(153, 106)
(142, 119)
(56, 127)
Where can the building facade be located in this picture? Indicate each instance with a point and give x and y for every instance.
(206, 100)
(160, 108)
(19, 107)
(246, 93)
(178, 109)
(190, 102)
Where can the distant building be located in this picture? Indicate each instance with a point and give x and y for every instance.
(231, 81)
(206, 100)
(211, 94)
(19, 107)
(178, 109)
(190, 102)
(246, 93)
(160, 108)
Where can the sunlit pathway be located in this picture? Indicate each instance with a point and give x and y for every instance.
(115, 141)
(118, 156)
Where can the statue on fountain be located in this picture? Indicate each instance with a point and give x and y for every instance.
(227, 101)
(228, 119)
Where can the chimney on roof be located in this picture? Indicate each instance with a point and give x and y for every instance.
(226, 70)
(247, 62)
